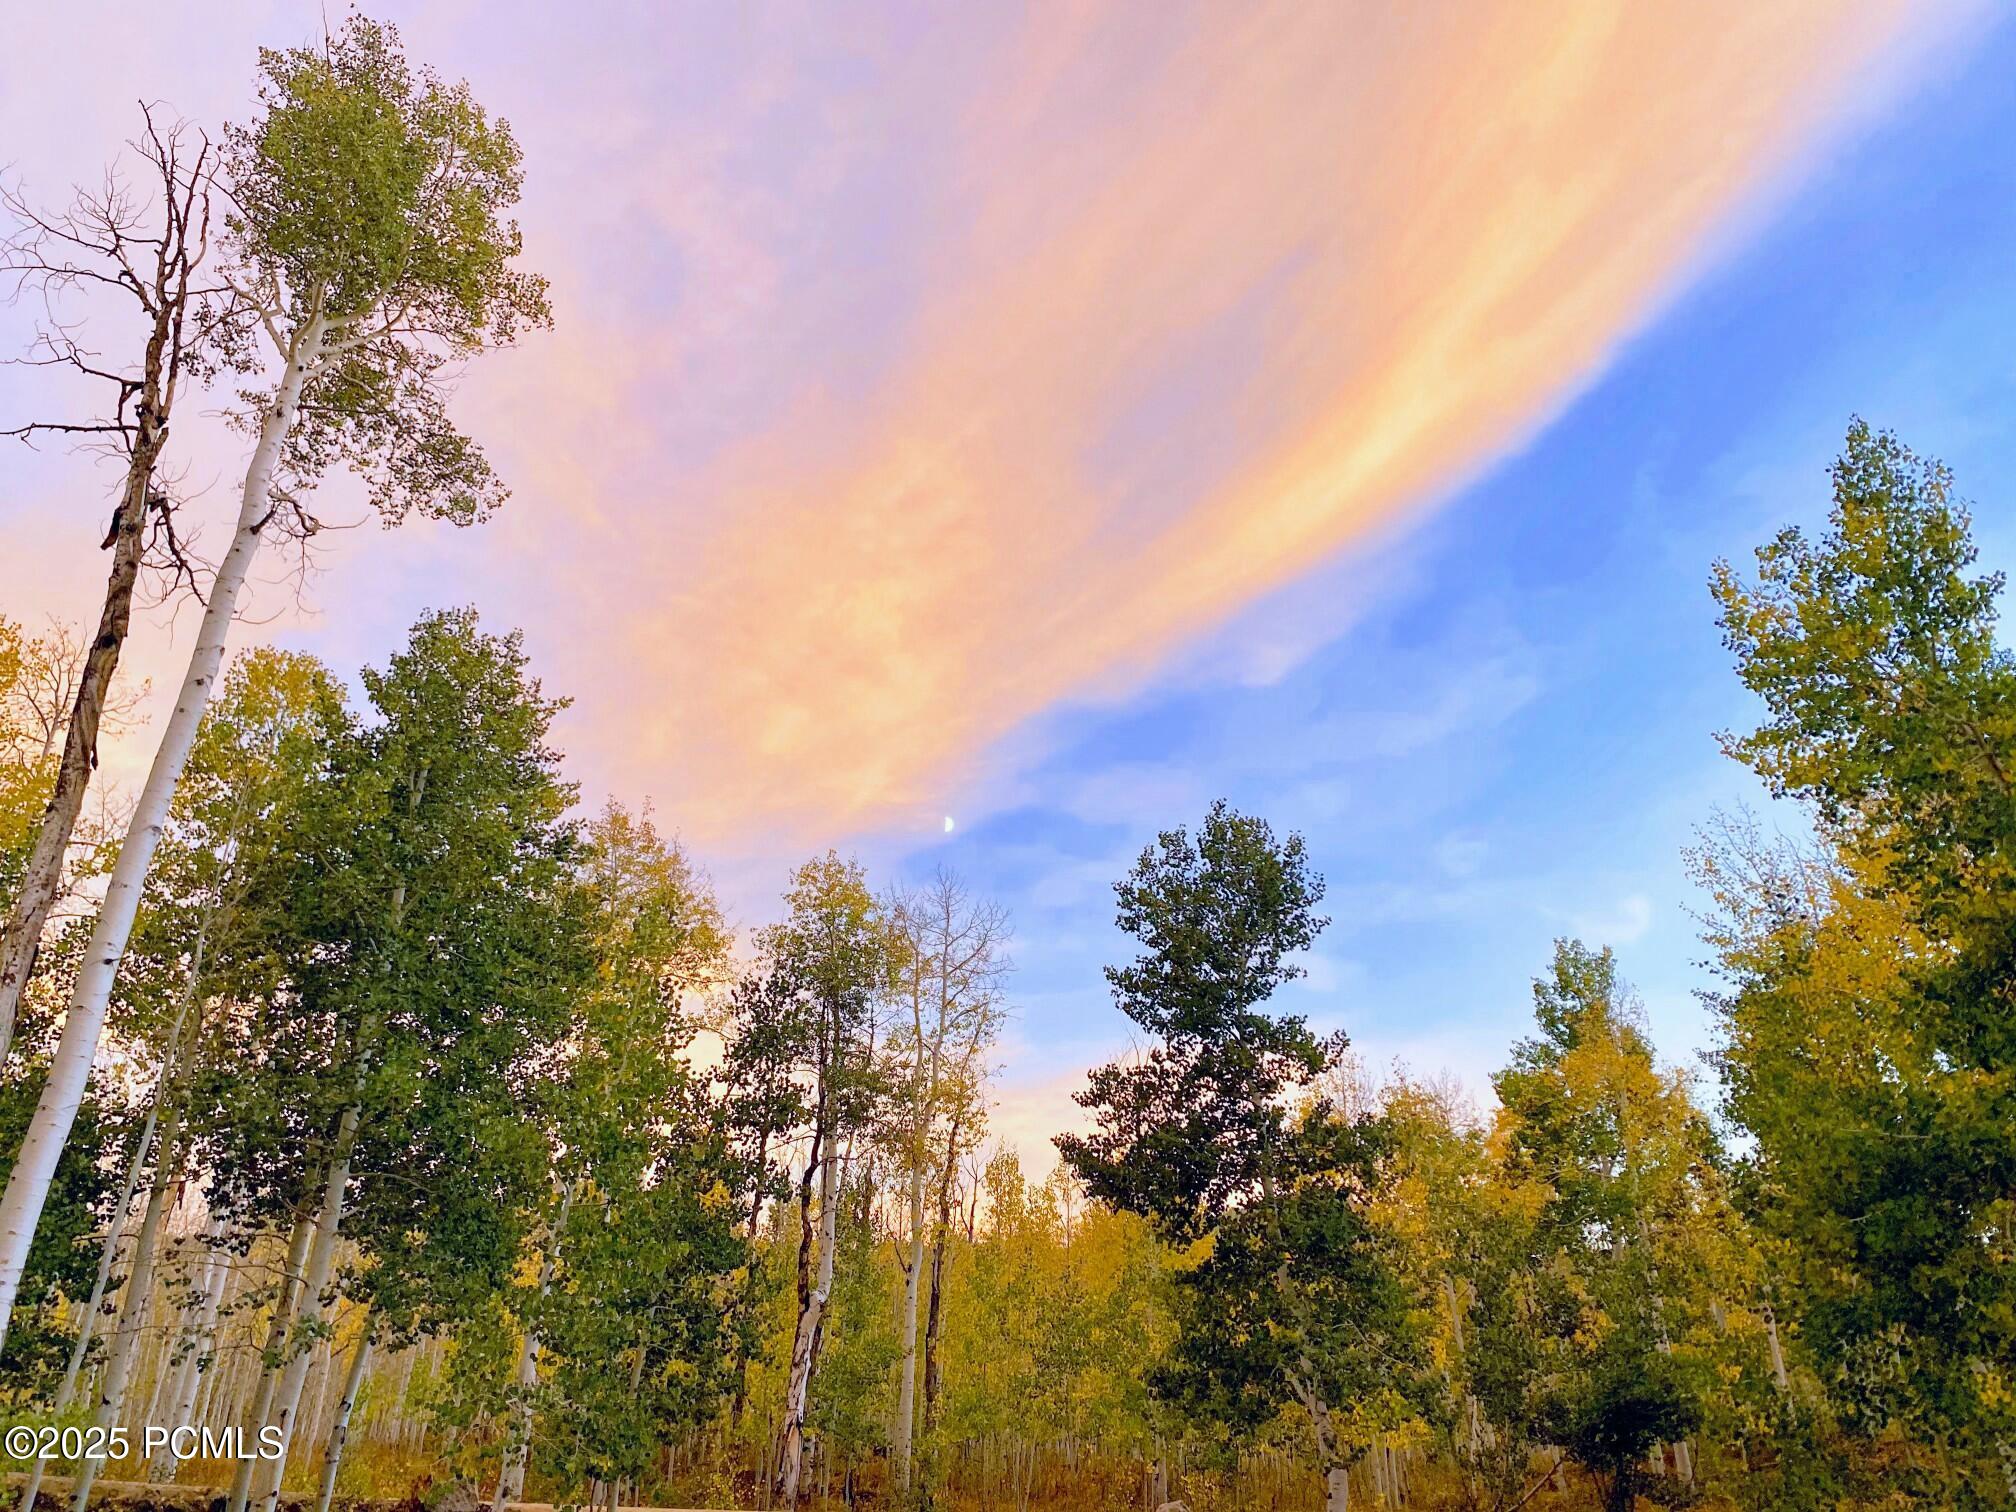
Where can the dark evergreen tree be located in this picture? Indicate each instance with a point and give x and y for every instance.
(1219, 1132)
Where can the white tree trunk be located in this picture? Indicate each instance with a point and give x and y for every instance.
(86, 1326)
(339, 1431)
(518, 1448)
(194, 1344)
(1336, 1473)
(799, 1392)
(70, 1070)
(106, 1258)
(269, 1368)
(301, 1352)
(133, 1305)
(906, 1386)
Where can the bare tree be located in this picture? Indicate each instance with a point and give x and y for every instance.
(42, 697)
(955, 964)
(150, 250)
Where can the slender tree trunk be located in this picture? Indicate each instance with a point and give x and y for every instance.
(321, 1259)
(107, 1257)
(935, 1311)
(1683, 1459)
(133, 1306)
(518, 1449)
(1777, 1353)
(21, 935)
(312, 1422)
(811, 1317)
(1329, 1454)
(922, 1112)
(339, 1431)
(741, 1397)
(195, 1344)
(270, 1356)
(70, 1070)
(906, 1384)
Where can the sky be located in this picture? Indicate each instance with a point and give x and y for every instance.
(1054, 418)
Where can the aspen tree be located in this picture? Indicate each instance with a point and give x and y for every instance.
(639, 1235)
(404, 1063)
(1869, 1045)
(368, 250)
(953, 963)
(836, 951)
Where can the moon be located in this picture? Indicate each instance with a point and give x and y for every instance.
(948, 824)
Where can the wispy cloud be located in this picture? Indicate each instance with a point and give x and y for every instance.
(921, 371)
(1226, 298)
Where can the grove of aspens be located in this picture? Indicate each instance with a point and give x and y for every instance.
(409, 1132)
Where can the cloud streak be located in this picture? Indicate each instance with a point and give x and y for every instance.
(1220, 303)
(921, 371)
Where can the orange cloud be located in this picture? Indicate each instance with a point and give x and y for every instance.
(1191, 298)
(1224, 303)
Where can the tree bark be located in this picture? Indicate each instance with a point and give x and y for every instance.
(133, 1305)
(195, 1343)
(140, 1280)
(86, 1327)
(1777, 1353)
(321, 1260)
(934, 1312)
(906, 1384)
(922, 1115)
(339, 1431)
(741, 1397)
(70, 1070)
(270, 1358)
(1329, 1454)
(811, 1316)
(21, 935)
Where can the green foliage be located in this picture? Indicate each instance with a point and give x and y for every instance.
(1198, 1124)
(392, 910)
(63, 1258)
(209, 935)
(1056, 1318)
(368, 183)
(1624, 1204)
(641, 1245)
(1628, 1402)
(634, 1330)
(1890, 705)
(854, 1382)
(1296, 1294)
(26, 769)
(371, 221)
(440, 821)
(1870, 1045)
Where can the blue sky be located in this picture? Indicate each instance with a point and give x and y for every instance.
(1515, 740)
(1060, 419)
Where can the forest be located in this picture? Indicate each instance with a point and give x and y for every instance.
(381, 1124)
